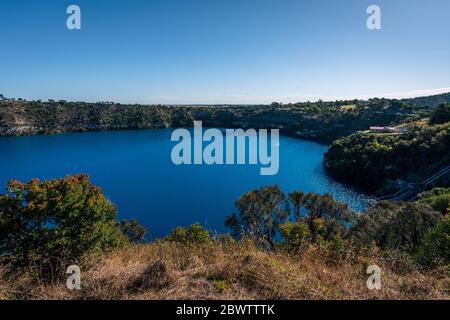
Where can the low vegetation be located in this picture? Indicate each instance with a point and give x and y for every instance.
(295, 246)
(169, 270)
(438, 199)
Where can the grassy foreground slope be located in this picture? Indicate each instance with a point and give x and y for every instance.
(167, 270)
(295, 246)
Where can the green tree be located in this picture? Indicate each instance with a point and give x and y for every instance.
(326, 216)
(133, 230)
(55, 222)
(296, 198)
(260, 213)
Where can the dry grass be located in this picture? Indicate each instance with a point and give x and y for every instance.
(164, 270)
(348, 107)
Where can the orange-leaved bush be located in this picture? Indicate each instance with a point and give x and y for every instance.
(55, 222)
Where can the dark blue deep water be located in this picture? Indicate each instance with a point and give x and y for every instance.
(135, 170)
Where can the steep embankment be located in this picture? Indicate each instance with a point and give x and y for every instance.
(322, 121)
(373, 161)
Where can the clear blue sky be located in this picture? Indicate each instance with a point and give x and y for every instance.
(223, 51)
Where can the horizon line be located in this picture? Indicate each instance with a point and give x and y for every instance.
(260, 100)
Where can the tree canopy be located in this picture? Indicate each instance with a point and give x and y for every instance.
(260, 212)
(441, 114)
(55, 221)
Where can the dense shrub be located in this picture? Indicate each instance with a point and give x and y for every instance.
(194, 234)
(295, 236)
(441, 114)
(434, 249)
(437, 198)
(55, 222)
(394, 225)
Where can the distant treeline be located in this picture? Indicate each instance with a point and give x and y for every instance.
(320, 121)
(430, 101)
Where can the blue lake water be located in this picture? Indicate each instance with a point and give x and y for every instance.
(135, 171)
